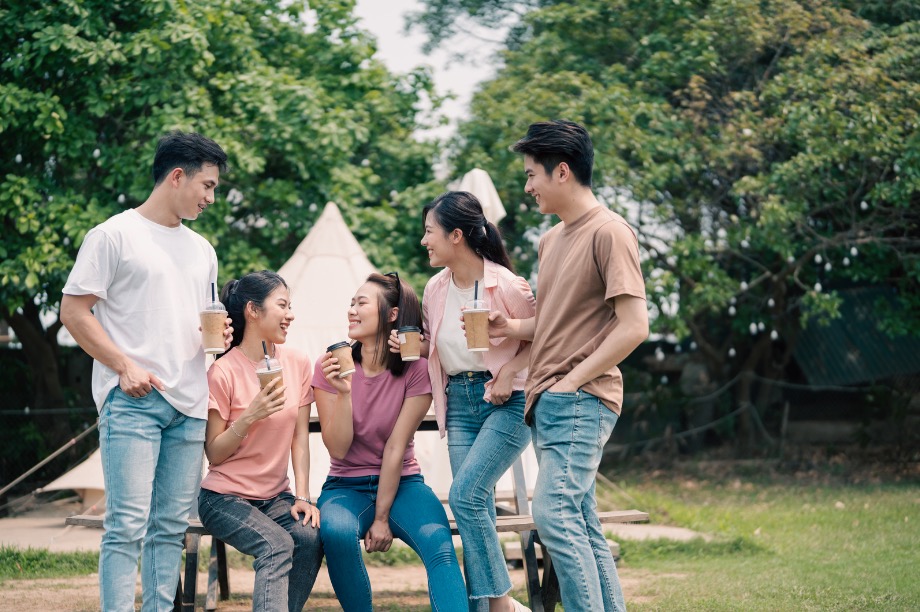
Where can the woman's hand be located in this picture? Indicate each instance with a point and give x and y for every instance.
(331, 369)
(500, 387)
(267, 402)
(309, 511)
(379, 537)
(393, 341)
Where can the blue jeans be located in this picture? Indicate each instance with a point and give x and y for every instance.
(151, 463)
(483, 441)
(347, 507)
(288, 553)
(569, 433)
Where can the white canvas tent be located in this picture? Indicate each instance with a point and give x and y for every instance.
(478, 182)
(86, 479)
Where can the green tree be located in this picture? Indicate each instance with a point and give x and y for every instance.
(290, 89)
(767, 152)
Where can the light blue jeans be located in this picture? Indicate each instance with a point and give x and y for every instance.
(569, 433)
(288, 553)
(151, 463)
(417, 517)
(483, 441)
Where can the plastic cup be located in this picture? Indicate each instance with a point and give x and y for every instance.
(410, 342)
(269, 372)
(213, 324)
(476, 321)
(342, 352)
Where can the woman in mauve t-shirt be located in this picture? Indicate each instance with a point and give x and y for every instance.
(375, 490)
(246, 498)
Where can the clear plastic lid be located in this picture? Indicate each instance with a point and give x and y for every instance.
(216, 306)
(477, 305)
(273, 364)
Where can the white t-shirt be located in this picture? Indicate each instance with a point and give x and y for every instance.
(152, 281)
(451, 341)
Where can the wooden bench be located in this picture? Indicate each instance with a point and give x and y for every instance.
(218, 577)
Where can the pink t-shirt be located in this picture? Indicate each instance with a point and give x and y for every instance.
(375, 406)
(258, 469)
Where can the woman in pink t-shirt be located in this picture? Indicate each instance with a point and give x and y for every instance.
(375, 490)
(246, 498)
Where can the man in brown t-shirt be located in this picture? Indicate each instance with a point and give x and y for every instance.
(591, 314)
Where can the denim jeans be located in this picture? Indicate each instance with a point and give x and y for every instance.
(347, 507)
(483, 441)
(569, 433)
(288, 553)
(151, 464)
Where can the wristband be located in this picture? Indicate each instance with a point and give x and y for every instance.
(236, 433)
(304, 499)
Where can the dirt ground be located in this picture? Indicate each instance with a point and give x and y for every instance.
(395, 588)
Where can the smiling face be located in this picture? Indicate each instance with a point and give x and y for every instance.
(194, 193)
(542, 186)
(440, 244)
(271, 322)
(364, 314)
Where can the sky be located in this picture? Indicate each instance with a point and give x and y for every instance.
(401, 52)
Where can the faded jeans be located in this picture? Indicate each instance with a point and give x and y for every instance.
(569, 433)
(417, 517)
(288, 553)
(151, 465)
(483, 441)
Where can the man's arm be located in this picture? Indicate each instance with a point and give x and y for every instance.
(502, 327)
(77, 317)
(631, 331)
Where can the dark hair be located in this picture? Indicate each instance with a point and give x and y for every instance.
(189, 151)
(462, 210)
(550, 143)
(393, 293)
(236, 294)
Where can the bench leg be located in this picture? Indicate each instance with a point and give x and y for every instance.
(191, 571)
(218, 579)
(550, 585)
(531, 572)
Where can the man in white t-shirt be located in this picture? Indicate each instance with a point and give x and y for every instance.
(132, 301)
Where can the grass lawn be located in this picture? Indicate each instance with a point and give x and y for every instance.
(779, 544)
(780, 541)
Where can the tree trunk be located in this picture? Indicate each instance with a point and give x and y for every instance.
(41, 350)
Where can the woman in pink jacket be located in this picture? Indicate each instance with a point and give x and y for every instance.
(478, 396)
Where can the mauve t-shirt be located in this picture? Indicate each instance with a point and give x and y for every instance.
(375, 406)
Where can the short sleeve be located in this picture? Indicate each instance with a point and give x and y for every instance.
(522, 304)
(306, 390)
(417, 381)
(94, 269)
(616, 254)
(220, 390)
(319, 381)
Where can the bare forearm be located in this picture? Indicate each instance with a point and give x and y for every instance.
(300, 459)
(521, 329)
(88, 333)
(338, 431)
(390, 473)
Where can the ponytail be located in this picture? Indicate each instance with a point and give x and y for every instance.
(462, 210)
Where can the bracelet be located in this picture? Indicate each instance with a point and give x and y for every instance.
(302, 498)
(236, 433)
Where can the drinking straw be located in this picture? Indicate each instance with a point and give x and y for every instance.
(268, 366)
(475, 290)
(213, 290)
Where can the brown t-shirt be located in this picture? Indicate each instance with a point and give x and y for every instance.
(583, 266)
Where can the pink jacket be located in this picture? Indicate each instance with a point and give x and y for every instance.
(505, 292)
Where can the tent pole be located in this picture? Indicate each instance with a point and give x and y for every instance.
(41, 463)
